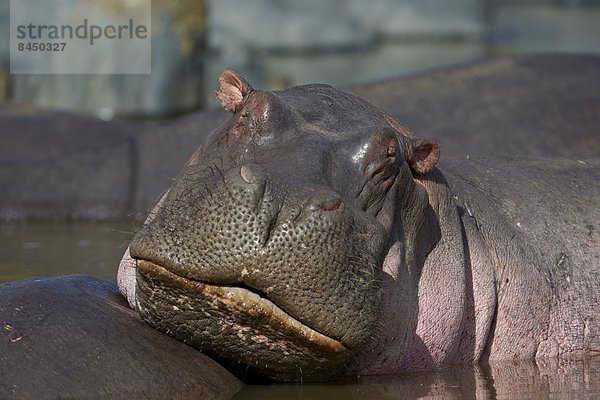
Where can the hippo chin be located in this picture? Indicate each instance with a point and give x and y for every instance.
(313, 235)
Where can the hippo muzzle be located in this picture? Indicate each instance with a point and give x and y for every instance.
(238, 266)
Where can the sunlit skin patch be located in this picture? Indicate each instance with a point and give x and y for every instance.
(218, 313)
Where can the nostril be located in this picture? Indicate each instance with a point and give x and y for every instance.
(247, 174)
(331, 205)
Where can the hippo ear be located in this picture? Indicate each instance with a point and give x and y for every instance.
(232, 91)
(422, 155)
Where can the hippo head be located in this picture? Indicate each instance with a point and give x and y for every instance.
(269, 247)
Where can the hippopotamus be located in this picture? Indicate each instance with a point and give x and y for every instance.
(312, 235)
(76, 337)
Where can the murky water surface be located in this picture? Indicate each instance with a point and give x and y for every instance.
(95, 249)
(542, 379)
(62, 249)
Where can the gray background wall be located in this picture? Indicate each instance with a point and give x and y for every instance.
(277, 43)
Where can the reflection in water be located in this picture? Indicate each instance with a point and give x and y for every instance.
(28, 250)
(541, 379)
(95, 249)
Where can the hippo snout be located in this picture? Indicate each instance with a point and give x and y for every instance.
(290, 244)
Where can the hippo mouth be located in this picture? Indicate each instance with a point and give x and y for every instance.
(234, 322)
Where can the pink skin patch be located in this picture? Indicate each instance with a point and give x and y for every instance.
(126, 279)
(126, 275)
(387, 354)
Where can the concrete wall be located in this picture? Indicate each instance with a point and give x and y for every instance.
(277, 43)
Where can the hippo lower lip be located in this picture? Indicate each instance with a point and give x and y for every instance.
(244, 302)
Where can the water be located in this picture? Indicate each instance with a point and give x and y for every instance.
(95, 249)
(542, 379)
(28, 250)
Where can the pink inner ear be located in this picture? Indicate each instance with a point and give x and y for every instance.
(232, 90)
(425, 156)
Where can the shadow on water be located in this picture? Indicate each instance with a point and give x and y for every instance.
(45, 249)
(541, 379)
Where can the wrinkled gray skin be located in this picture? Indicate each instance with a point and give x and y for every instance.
(312, 234)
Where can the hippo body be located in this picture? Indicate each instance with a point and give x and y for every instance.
(313, 235)
(75, 337)
(514, 274)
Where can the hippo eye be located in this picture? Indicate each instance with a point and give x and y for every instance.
(380, 161)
